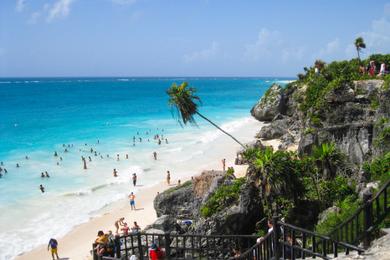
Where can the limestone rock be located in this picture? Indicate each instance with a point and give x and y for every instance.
(269, 105)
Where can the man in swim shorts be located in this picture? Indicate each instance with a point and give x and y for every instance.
(132, 201)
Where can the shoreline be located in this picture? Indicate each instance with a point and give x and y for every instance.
(77, 243)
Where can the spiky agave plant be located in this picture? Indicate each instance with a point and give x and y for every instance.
(184, 101)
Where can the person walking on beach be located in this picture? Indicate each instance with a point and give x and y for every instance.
(53, 245)
(155, 155)
(134, 179)
(223, 164)
(132, 201)
(118, 223)
(168, 178)
(115, 173)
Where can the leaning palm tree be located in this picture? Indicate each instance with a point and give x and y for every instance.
(359, 44)
(182, 98)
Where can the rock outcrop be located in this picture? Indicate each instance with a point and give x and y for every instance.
(269, 105)
(185, 203)
(353, 116)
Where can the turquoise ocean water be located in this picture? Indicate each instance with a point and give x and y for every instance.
(40, 116)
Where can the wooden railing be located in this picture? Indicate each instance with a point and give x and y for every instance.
(361, 224)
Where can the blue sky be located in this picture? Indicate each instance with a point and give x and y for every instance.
(184, 37)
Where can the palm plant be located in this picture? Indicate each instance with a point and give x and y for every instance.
(328, 159)
(359, 44)
(182, 98)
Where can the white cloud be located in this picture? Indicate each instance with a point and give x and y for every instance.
(59, 9)
(267, 42)
(34, 17)
(331, 48)
(270, 45)
(124, 2)
(203, 55)
(20, 5)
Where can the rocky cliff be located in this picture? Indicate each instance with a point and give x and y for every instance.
(354, 116)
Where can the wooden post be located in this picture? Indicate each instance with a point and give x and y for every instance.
(139, 242)
(94, 255)
(117, 246)
(367, 218)
(167, 246)
(276, 230)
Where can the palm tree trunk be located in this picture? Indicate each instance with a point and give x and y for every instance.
(358, 52)
(208, 120)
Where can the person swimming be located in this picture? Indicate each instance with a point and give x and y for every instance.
(47, 175)
(17, 165)
(55, 154)
(42, 175)
(42, 188)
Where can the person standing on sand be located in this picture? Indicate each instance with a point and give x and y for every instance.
(168, 178)
(223, 164)
(118, 223)
(53, 244)
(134, 179)
(115, 173)
(132, 201)
(155, 155)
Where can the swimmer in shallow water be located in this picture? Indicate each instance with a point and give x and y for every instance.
(47, 175)
(42, 175)
(42, 188)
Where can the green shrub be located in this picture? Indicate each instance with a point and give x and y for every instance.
(224, 196)
(379, 168)
(348, 206)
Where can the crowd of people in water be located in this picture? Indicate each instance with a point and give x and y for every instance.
(158, 138)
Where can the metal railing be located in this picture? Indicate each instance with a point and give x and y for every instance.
(285, 241)
(362, 223)
(175, 246)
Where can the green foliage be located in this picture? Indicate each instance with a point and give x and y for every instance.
(230, 171)
(183, 185)
(328, 159)
(309, 131)
(383, 137)
(379, 168)
(334, 190)
(333, 76)
(183, 99)
(224, 196)
(348, 206)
